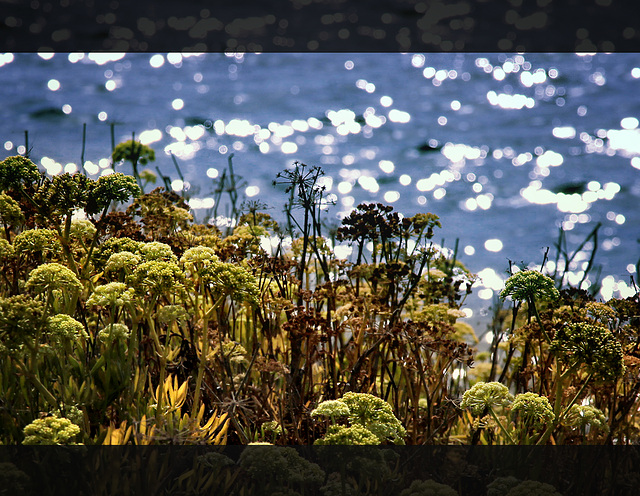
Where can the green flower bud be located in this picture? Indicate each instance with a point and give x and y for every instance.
(33, 241)
(591, 345)
(17, 170)
(529, 284)
(157, 251)
(533, 408)
(486, 394)
(10, 211)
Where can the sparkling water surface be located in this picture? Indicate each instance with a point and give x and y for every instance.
(505, 148)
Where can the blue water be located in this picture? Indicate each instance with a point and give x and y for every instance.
(508, 134)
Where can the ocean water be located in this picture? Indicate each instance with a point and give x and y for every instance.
(505, 148)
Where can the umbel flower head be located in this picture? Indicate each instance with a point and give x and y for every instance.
(50, 430)
(486, 395)
(51, 277)
(353, 435)
(10, 211)
(591, 345)
(44, 241)
(532, 487)
(113, 187)
(65, 328)
(156, 277)
(82, 229)
(232, 280)
(533, 409)
(529, 285)
(586, 416)
(124, 261)
(17, 170)
(331, 408)
(112, 294)
(114, 333)
(155, 250)
(367, 411)
(198, 260)
(169, 314)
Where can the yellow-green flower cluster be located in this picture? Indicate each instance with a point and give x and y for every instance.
(592, 345)
(111, 294)
(486, 395)
(428, 488)
(332, 409)
(156, 277)
(51, 277)
(65, 328)
(114, 333)
(6, 250)
(533, 408)
(233, 281)
(43, 241)
(50, 430)
(198, 260)
(156, 251)
(530, 285)
(364, 411)
(585, 415)
(234, 352)
(354, 435)
(123, 261)
(17, 170)
(82, 229)
(10, 211)
(169, 314)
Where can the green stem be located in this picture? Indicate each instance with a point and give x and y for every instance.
(502, 428)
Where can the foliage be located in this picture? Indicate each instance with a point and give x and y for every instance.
(136, 325)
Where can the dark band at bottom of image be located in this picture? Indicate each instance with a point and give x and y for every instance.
(321, 470)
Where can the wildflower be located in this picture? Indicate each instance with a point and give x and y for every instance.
(273, 426)
(42, 241)
(124, 261)
(198, 260)
(374, 414)
(10, 211)
(17, 170)
(332, 409)
(591, 345)
(53, 276)
(115, 245)
(133, 151)
(82, 229)
(113, 187)
(436, 274)
(6, 250)
(65, 328)
(529, 285)
(585, 416)
(234, 352)
(355, 435)
(21, 317)
(486, 395)
(50, 430)
(233, 281)
(533, 408)
(156, 277)
(114, 333)
(157, 251)
(428, 488)
(111, 294)
(169, 314)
